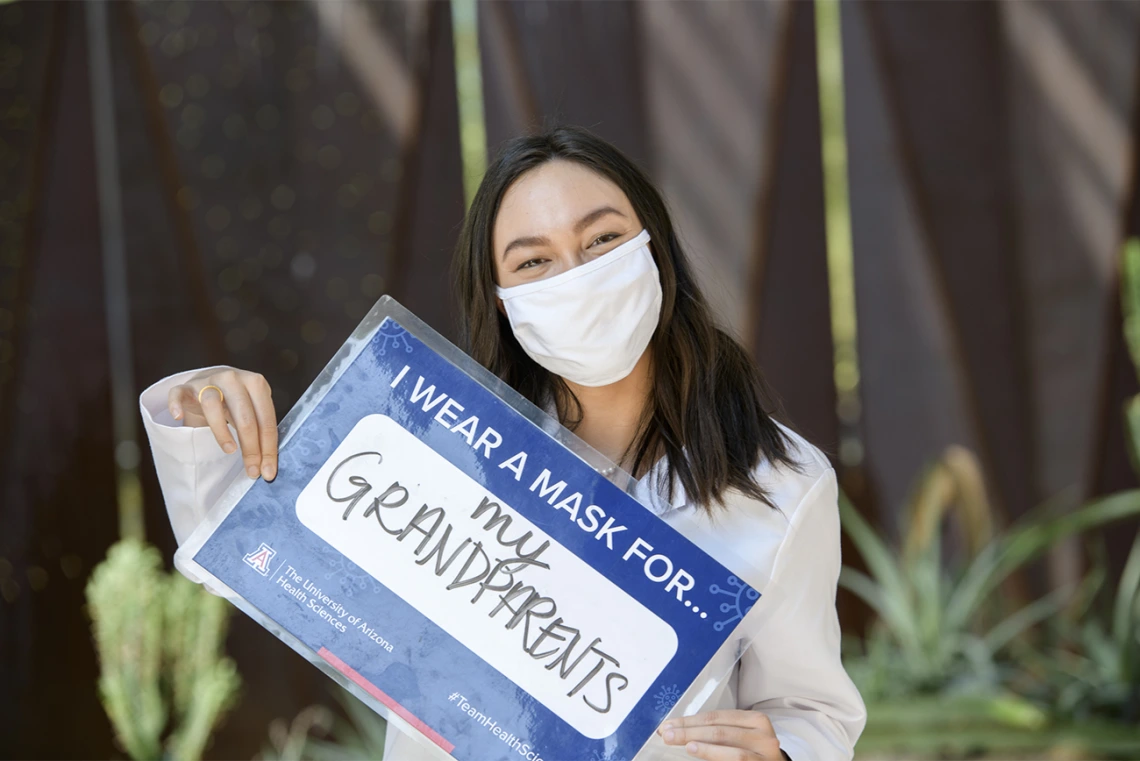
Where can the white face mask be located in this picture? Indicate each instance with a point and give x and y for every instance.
(590, 324)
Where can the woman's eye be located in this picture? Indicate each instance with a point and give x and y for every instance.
(528, 264)
(604, 239)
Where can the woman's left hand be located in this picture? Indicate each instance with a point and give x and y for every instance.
(724, 736)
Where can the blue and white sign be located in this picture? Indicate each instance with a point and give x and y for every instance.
(475, 576)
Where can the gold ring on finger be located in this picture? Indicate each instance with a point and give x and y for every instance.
(221, 396)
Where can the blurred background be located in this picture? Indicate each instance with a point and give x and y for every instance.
(916, 216)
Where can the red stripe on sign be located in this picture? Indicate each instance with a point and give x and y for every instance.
(380, 695)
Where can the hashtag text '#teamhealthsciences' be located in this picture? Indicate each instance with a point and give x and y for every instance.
(516, 743)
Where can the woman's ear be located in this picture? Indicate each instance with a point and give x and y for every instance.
(499, 304)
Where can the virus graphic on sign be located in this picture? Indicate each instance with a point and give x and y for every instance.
(392, 335)
(666, 697)
(743, 598)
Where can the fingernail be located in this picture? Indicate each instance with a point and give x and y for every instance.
(692, 749)
(228, 447)
(667, 725)
(177, 414)
(252, 471)
(267, 472)
(669, 735)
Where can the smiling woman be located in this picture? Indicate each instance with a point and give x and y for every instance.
(550, 210)
(574, 289)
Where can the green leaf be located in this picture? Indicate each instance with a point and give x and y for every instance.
(898, 617)
(1124, 611)
(1038, 610)
(1024, 543)
(879, 558)
(370, 725)
(1130, 297)
(1132, 423)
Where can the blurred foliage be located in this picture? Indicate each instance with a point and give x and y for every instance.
(1092, 667)
(159, 639)
(359, 738)
(943, 629)
(960, 727)
(948, 669)
(1130, 298)
(469, 87)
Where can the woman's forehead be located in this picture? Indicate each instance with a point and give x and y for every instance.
(552, 197)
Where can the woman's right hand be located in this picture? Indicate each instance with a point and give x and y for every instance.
(245, 401)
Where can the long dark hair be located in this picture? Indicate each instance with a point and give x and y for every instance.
(707, 414)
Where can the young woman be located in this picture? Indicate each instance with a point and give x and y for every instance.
(574, 289)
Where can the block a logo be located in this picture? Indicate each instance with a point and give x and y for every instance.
(259, 559)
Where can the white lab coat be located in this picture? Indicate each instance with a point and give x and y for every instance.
(792, 670)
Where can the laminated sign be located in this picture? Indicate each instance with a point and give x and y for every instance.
(461, 563)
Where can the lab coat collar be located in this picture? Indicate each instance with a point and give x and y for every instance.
(646, 489)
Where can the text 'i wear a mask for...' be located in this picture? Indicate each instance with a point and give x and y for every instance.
(590, 324)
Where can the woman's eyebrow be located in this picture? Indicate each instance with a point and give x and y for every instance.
(579, 226)
(594, 216)
(533, 240)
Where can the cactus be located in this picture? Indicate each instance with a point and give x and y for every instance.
(159, 639)
(124, 597)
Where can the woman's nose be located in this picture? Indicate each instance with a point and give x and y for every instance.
(577, 257)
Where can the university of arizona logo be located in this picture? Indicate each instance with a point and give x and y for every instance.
(259, 559)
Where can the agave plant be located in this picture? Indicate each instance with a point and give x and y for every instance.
(1094, 668)
(317, 734)
(941, 631)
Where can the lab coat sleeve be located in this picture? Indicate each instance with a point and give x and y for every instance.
(192, 468)
(792, 672)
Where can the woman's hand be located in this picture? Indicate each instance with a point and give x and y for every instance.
(245, 401)
(724, 736)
